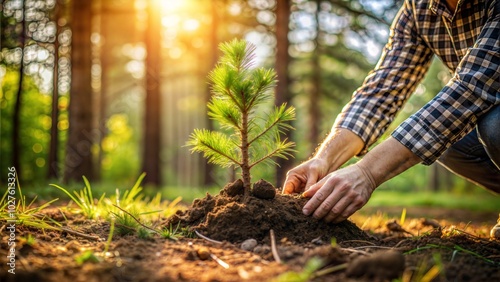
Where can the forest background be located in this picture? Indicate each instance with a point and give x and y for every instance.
(109, 89)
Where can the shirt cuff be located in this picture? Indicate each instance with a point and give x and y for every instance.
(420, 139)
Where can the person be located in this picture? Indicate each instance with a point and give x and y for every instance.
(459, 128)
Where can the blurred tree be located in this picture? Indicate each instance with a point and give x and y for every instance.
(27, 35)
(16, 125)
(53, 157)
(281, 66)
(152, 116)
(79, 159)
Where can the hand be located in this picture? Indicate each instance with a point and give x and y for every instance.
(339, 194)
(303, 176)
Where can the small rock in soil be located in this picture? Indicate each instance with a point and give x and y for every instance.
(203, 253)
(263, 190)
(383, 265)
(249, 244)
(234, 189)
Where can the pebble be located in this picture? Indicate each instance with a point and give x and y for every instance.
(203, 253)
(249, 244)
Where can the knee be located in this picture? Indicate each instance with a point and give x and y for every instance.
(488, 129)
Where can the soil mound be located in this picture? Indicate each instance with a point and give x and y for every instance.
(233, 219)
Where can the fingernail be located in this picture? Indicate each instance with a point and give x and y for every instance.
(305, 211)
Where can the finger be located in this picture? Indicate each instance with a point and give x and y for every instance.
(312, 178)
(292, 184)
(320, 193)
(354, 206)
(289, 187)
(313, 188)
(338, 209)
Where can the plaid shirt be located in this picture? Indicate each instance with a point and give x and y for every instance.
(467, 41)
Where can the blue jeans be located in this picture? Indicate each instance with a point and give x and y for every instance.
(477, 156)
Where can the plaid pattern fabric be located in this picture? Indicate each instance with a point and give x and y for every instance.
(467, 41)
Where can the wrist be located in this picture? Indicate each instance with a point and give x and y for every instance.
(368, 175)
(387, 160)
(339, 147)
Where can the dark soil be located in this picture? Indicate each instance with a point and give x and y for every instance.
(373, 254)
(235, 219)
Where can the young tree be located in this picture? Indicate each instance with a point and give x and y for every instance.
(238, 89)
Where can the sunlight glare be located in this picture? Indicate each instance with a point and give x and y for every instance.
(172, 6)
(191, 24)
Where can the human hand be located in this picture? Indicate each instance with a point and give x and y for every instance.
(341, 193)
(300, 178)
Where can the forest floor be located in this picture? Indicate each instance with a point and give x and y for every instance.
(430, 245)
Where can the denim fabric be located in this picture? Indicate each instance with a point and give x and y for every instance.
(477, 156)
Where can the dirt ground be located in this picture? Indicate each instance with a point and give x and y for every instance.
(439, 244)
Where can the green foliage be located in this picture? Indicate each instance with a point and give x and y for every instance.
(29, 240)
(34, 129)
(121, 155)
(27, 214)
(85, 200)
(305, 275)
(110, 235)
(170, 233)
(124, 211)
(126, 222)
(239, 91)
(87, 256)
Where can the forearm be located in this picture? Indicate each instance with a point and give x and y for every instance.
(387, 160)
(340, 146)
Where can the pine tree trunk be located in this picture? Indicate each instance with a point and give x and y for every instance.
(53, 167)
(16, 115)
(245, 158)
(314, 97)
(152, 117)
(78, 161)
(281, 66)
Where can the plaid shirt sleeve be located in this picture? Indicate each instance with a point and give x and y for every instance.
(403, 64)
(474, 89)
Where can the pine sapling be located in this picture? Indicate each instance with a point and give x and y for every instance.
(249, 135)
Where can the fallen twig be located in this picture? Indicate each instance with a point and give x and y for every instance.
(206, 238)
(329, 270)
(73, 232)
(274, 250)
(138, 221)
(375, 247)
(358, 241)
(351, 250)
(219, 261)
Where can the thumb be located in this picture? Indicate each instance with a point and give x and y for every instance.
(289, 187)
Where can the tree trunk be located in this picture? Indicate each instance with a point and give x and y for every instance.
(16, 115)
(53, 171)
(78, 161)
(281, 66)
(104, 57)
(152, 118)
(213, 40)
(314, 109)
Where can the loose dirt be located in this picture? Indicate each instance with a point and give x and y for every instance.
(363, 250)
